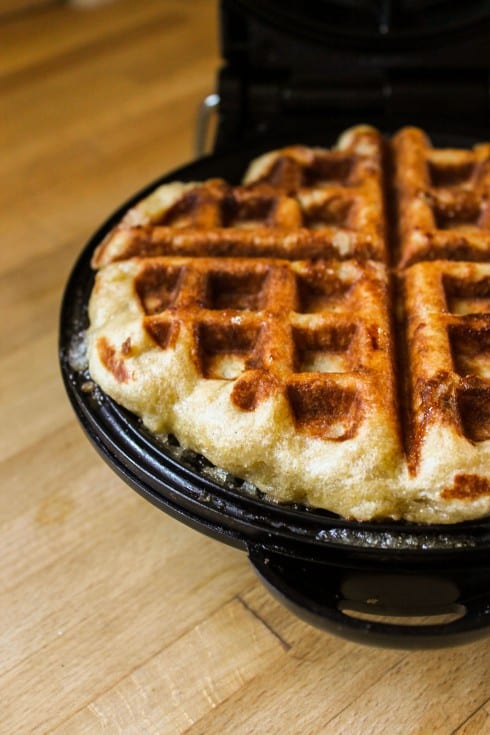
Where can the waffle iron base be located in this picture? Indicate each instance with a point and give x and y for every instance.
(389, 584)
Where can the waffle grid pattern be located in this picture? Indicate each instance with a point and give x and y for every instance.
(306, 214)
(443, 200)
(285, 286)
(449, 338)
(252, 324)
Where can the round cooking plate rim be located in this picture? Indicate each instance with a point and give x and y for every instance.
(285, 522)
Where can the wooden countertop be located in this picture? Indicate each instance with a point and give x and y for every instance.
(114, 617)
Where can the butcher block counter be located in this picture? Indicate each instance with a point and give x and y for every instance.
(115, 618)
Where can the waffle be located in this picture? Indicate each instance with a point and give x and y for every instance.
(443, 200)
(330, 207)
(300, 353)
(448, 338)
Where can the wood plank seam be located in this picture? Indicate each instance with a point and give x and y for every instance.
(287, 646)
(461, 725)
(154, 655)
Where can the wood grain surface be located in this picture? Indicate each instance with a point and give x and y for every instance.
(114, 618)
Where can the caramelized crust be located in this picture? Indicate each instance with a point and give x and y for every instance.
(267, 326)
(443, 200)
(448, 334)
(334, 210)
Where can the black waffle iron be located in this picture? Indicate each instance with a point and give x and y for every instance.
(299, 74)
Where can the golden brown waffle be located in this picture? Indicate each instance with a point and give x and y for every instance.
(241, 357)
(334, 210)
(233, 319)
(443, 200)
(270, 325)
(448, 338)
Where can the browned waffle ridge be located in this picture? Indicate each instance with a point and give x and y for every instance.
(334, 209)
(255, 322)
(443, 197)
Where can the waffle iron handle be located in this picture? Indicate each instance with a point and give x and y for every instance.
(207, 108)
(405, 609)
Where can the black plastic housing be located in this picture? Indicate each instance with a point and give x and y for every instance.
(296, 68)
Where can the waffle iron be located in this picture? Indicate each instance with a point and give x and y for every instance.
(288, 76)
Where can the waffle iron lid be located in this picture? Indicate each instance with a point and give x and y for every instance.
(291, 66)
(378, 21)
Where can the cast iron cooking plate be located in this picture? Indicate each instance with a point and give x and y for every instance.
(370, 582)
